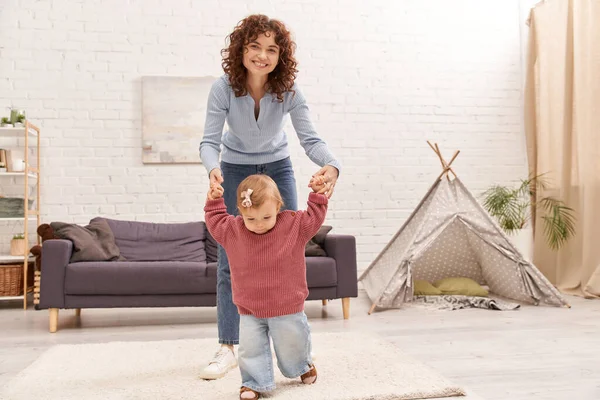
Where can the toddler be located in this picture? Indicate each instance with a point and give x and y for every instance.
(266, 248)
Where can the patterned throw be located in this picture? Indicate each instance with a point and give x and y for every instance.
(457, 302)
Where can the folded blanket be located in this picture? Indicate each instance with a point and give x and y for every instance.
(457, 302)
(94, 242)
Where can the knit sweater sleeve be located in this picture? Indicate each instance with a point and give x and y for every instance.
(217, 108)
(314, 146)
(314, 216)
(219, 223)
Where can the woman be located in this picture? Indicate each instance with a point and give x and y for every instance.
(254, 96)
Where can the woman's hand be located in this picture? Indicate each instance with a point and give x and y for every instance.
(330, 173)
(215, 192)
(216, 178)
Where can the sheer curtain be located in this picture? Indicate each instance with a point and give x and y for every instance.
(562, 124)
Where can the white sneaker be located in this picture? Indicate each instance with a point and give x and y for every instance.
(223, 362)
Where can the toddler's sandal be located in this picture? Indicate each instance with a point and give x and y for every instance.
(310, 377)
(244, 389)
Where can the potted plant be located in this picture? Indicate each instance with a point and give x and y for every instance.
(514, 208)
(5, 122)
(17, 245)
(20, 121)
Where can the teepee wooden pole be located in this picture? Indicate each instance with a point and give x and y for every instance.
(454, 157)
(451, 161)
(446, 166)
(432, 148)
(437, 152)
(372, 308)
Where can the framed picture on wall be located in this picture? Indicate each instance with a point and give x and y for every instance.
(173, 115)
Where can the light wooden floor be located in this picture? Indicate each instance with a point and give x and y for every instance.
(537, 353)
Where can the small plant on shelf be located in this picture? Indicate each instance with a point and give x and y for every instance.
(4, 121)
(20, 121)
(17, 245)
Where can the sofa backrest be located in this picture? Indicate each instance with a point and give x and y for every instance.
(148, 241)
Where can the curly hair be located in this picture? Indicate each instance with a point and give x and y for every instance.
(282, 78)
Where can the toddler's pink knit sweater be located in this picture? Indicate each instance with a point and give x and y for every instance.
(268, 271)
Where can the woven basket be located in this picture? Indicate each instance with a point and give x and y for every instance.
(11, 279)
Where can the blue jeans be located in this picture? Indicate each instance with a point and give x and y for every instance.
(282, 172)
(292, 344)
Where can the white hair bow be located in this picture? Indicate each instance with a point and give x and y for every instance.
(246, 196)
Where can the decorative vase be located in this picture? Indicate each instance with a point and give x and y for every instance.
(14, 114)
(17, 247)
(18, 165)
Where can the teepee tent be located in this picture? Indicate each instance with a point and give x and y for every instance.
(450, 234)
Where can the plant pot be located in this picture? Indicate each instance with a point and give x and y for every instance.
(18, 165)
(17, 247)
(14, 115)
(523, 241)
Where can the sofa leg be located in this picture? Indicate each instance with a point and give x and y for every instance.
(78, 312)
(325, 302)
(346, 307)
(53, 319)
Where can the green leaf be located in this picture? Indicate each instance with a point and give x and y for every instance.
(504, 204)
(559, 223)
(512, 209)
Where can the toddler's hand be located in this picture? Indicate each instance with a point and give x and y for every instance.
(215, 192)
(317, 183)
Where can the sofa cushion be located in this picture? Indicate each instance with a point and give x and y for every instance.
(138, 278)
(93, 242)
(148, 241)
(321, 272)
(314, 247)
(210, 246)
(211, 270)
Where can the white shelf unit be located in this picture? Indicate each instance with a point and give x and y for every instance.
(19, 174)
(31, 176)
(5, 258)
(11, 297)
(19, 131)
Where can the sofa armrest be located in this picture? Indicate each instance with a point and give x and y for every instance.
(343, 249)
(56, 254)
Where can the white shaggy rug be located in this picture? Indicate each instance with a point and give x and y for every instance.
(351, 366)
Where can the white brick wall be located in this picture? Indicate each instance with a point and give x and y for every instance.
(381, 77)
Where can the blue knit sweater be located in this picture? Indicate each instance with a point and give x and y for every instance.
(257, 141)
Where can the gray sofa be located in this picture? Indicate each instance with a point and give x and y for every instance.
(170, 265)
